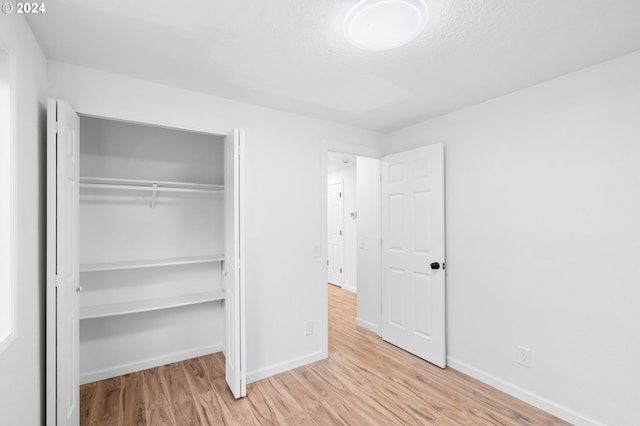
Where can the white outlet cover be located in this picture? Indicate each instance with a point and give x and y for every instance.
(524, 356)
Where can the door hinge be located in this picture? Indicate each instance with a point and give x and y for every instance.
(56, 127)
(340, 270)
(56, 280)
(341, 232)
(327, 262)
(341, 195)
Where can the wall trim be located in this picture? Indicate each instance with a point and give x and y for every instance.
(131, 367)
(525, 395)
(351, 148)
(367, 324)
(281, 367)
(350, 288)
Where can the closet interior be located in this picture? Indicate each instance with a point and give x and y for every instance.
(152, 243)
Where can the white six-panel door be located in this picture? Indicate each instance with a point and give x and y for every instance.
(335, 228)
(413, 279)
(63, 281)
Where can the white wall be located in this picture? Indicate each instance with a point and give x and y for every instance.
(350, 231)
(114, 148)
(285, 181)
(22, 361)
(543, 240)
(368, 224)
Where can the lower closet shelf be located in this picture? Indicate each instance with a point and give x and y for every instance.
(100, 311)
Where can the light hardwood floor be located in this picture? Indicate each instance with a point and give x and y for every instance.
(365, 381)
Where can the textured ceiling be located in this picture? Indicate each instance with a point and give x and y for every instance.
(292, 55)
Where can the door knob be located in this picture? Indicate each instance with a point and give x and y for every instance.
(435, 265)
(78, 289)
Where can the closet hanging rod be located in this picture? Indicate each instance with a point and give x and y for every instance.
(158, 188)
(93, 181)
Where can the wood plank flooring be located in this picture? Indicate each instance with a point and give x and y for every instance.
(365, 381)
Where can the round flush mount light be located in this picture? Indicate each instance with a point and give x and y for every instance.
(385, 24)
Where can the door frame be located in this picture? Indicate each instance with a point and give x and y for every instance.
(360, 151)
(328, 145)
(51, 238)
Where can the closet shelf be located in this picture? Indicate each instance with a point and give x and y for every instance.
(101, 311)
(136, 264)
(93, 184)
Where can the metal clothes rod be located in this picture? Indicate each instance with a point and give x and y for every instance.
(149, 188)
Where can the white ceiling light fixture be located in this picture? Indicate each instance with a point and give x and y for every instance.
(385, 24)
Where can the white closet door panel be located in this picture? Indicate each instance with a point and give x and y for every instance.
(63, 169)
(235, 353)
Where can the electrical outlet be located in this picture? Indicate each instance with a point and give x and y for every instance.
(524, 356)
(308, 328)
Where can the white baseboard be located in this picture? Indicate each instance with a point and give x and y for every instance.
(368, 325)
(119, 370)
(263, 373)
(350, 288)
(529, 397)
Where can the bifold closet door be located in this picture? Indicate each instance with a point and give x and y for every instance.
(235, 353)
(63, 282)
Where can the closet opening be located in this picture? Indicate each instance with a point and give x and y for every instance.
(144, 252)
(151, 250)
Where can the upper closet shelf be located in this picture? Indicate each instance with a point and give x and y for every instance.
(135, 264)
(149, 187)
